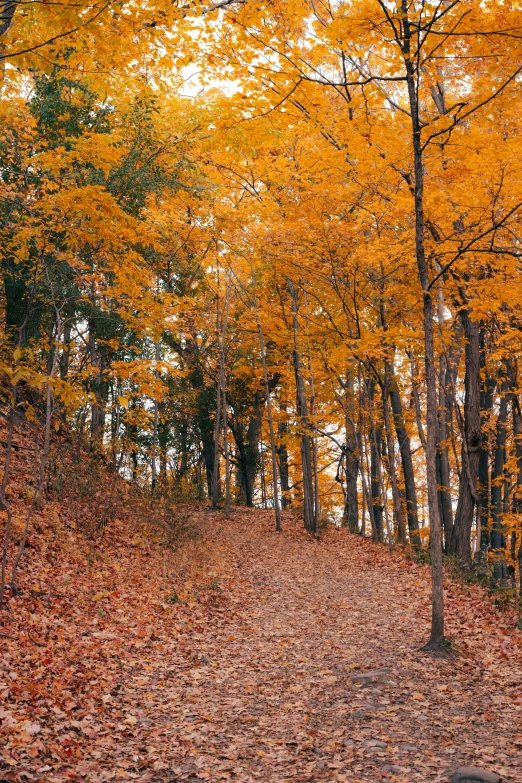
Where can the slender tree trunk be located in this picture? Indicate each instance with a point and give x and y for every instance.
(282, 452)
(390, 466)
(277, 510)
(155, 421)
(406, 458)
(163, 432)
(221, 326)
(362, 531)
(487, 389)
(302, 411)
(313, 410)
(443, 462)
(498, 482)
(366, 488)
(351, 453)
(516, 412)
(226, 446)
(437, 595)
(66, 351)
(262, 475)
(375, 435)
(48, 413)
(460, 542)
(416, 401)
(217, 428)
(98, 362)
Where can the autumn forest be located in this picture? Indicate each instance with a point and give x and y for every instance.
(265, 255)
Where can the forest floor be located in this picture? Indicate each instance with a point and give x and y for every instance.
(244, 657)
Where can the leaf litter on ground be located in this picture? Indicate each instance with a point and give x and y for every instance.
(247, 655)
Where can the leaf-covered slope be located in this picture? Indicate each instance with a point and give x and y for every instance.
(246, 658)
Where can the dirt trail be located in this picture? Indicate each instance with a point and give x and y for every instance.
(265, 690)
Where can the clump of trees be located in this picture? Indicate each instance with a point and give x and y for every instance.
(300, 291)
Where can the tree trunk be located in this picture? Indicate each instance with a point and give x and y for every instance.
(498, 480)
(351, 500)
(277, 510)
(460, 542)
(98, 384)
(516, 412)
(207, 442)
(443, 462)
(282, 452)
(225, 443)
(375, 435)
(216, 484)
(487, 389)
(315, 453)
(406, 458)
(66, 351)
(154, 450)
(437, 592)
(390, 467)
(302, 412)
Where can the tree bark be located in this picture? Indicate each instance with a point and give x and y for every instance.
(443, 462)
(282, 453)
(460, 542)
(273, 452)
(351, 454)
(516, 412)
(437, 592)
(406, 458)
(487, 389)
(498, 480)
(375, 434)
(390, 467)
(302, 411)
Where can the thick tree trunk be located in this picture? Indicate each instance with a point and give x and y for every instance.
(460, 542)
